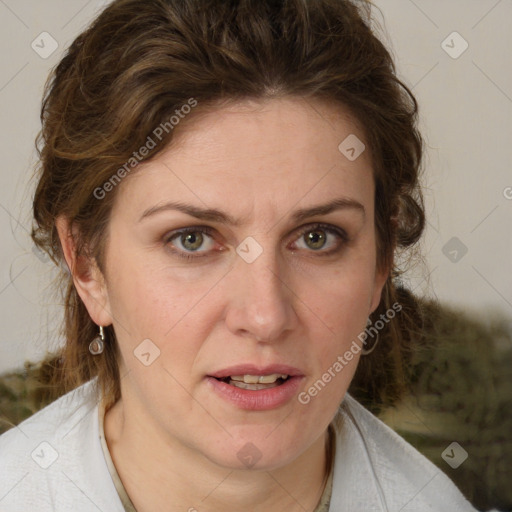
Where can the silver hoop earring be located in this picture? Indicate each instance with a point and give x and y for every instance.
(98, 343)
(365, 351)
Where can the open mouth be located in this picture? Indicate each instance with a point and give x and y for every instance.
(256, 389)
(255, 382)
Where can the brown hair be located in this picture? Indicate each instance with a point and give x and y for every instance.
(140, 61)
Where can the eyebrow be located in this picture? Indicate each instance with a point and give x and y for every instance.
(212, 215)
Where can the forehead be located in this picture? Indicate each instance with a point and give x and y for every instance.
(293, 125)
(261, 152)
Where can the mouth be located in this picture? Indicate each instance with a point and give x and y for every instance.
(253, 387)
(255, 382)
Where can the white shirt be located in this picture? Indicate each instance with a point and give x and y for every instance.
(54, 461)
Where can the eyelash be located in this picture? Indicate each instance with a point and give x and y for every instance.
(209, 231)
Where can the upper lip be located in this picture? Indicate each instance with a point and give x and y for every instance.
(251, 369)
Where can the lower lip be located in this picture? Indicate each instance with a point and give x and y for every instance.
(257, 400)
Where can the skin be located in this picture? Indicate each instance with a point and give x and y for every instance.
(174, 442)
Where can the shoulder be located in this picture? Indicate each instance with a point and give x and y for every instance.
(49, 423)
(385, 470)
(56, 421)
(53, 460)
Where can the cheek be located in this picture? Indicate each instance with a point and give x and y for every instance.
(155, 303)
(341, 308)
(342, 303)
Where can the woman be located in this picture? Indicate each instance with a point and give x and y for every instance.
(227, 184)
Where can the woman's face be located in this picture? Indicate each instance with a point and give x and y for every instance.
(225, 258)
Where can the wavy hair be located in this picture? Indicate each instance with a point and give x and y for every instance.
(140, 61)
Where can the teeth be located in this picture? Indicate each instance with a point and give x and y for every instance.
(259, 379)
(253, 387)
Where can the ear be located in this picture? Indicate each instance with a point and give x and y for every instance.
(380, 280)
(87, 277)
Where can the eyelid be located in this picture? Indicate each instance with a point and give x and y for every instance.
(209, 231)
(344, 239)
(205, 230)
(326, 227)
(190, 229)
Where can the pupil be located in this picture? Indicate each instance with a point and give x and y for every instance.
(317, 238)
(192, 241)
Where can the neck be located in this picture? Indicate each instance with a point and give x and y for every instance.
(159, 473)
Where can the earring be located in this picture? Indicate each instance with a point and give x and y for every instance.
(365, 351)
(98, 343)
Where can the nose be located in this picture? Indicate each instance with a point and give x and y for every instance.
(261, 304)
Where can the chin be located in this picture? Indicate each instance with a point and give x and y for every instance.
(256, 449)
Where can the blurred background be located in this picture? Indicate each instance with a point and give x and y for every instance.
(455, 57)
